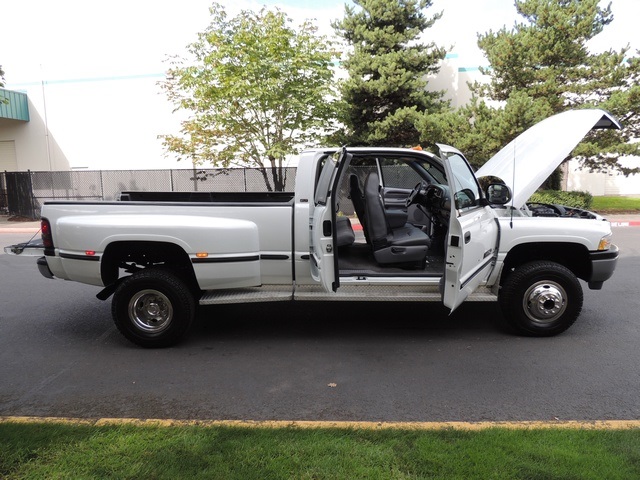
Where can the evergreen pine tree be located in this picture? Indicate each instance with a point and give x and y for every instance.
(543, 66)
(387, 65)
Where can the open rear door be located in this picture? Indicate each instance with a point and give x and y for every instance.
(322, 222)
(472, 239)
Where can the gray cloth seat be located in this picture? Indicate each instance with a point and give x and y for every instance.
(344, 232)
(401, 245)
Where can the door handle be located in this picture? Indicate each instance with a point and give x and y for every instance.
(467, 237)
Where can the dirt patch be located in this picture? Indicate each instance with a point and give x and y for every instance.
(17, 218)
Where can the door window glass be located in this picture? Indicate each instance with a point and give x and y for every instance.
(324, 180)
(464, 184)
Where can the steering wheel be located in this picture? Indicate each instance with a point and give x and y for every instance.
(414, 193)
(434, 192)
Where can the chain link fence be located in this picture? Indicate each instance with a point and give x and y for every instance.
(23, 193)
(4, 204)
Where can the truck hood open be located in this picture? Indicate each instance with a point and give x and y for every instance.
(526, 162)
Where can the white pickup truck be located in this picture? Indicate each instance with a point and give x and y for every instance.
(446, 239)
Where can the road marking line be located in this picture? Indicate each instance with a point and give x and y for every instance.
(626, 223)
(303, 424)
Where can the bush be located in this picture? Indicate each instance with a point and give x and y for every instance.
(570, 199)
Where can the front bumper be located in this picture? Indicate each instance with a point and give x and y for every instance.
(603, 264)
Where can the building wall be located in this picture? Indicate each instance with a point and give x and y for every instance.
(35, 148)
(101, 123)
(609, 183)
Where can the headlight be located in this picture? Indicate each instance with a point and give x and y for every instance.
(605, 242)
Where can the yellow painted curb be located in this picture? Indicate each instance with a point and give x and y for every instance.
(512, 425)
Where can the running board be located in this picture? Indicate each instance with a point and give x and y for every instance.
(272, 293)
(385, 293)
(353, 293)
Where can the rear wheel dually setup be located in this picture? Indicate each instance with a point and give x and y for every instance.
(153, 308)
(541, 299)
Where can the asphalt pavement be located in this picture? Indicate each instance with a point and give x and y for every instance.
(61, 356)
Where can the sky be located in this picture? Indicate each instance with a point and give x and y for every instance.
(68, 39)
(107, 57)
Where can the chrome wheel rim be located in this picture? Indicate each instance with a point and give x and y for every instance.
(544, 302)
(150, 311)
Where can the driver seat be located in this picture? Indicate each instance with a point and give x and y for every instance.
(403, 245)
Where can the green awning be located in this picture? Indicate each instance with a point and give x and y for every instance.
(14, 105)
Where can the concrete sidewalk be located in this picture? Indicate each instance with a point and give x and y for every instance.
(8, 226)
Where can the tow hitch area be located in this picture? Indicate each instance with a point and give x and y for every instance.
(33, 248)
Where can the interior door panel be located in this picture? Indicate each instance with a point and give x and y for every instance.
(395, 197)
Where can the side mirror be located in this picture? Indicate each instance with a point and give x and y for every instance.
(464, 198)
(498, 194)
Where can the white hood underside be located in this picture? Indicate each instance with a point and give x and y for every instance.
(538, 151)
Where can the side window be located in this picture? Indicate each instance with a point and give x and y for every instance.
(464, 185)
(397, 173)
(360, 167)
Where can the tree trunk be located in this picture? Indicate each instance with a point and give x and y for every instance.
(277, 174)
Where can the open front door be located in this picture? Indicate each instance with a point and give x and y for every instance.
(322, 223)
(472, 239)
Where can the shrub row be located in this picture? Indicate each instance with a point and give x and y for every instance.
(570, 199)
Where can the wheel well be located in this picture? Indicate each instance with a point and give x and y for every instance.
(572, 255)
(132, 256)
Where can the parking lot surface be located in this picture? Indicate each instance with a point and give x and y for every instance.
(60, 355)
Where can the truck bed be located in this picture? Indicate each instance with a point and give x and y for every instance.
(207, 197)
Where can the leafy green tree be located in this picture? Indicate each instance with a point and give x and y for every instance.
(387, 65)
(255, 89)
(543, 66)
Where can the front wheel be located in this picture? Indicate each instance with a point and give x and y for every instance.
(541, 299)
(153, 308)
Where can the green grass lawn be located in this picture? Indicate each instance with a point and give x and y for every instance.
(616, 204)
(50, 450)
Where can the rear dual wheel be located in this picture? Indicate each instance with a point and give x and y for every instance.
(541, 299)
(153, 308)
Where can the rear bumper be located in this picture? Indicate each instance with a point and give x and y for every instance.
(43, 267)
(603, 264)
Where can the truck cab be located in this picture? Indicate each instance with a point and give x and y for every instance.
(417, 228)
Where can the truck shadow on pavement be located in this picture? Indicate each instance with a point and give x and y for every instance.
(375, 320)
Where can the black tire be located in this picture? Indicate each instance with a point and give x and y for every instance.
(540, 299)
(153, 308)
